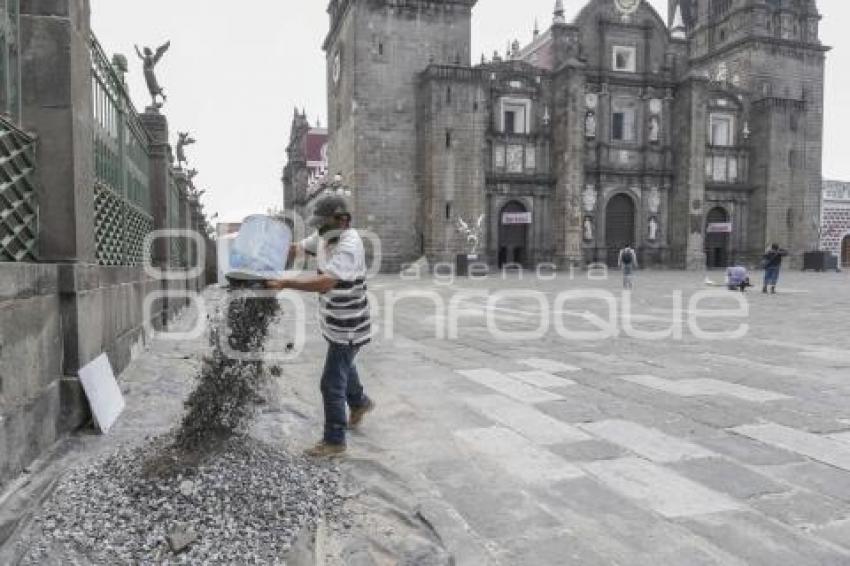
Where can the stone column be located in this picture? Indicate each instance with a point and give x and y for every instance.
(568, 163)
(156, 125)
(57, 104)
(687, 201)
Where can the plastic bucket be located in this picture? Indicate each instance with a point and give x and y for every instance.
(260, 250)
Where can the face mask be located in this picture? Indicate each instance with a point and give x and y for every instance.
(329, 233)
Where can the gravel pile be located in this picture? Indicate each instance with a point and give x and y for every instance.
(206, 493)
(244, 504)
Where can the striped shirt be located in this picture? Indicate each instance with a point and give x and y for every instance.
(344, 314)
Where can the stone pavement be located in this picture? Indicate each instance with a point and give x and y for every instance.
(624, 450)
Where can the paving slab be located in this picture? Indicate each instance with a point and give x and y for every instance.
(731, 478)
(534, 425)
(659, 488)
(763, 542)
(508, 386)
(817, 447)
(517, 455)
(649, 443)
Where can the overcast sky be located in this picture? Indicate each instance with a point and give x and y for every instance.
(236, 71)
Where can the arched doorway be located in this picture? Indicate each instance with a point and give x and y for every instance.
(845, 252)
(717, 238)
(513, 234)
(619, 226)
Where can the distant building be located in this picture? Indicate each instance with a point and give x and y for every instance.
(835, 231)
(307, 165)
(698, 140)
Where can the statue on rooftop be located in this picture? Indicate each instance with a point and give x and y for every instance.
(150, 60)
(184, 139)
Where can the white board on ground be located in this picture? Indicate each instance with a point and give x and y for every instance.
(102, 391)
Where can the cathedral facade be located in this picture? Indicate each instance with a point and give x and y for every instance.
(697, 140)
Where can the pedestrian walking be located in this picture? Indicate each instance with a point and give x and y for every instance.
(772, 263)
(627, 261)
(344, 316)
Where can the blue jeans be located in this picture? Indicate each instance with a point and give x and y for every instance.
(340, 387)
(771, 276)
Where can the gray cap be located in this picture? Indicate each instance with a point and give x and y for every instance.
(329, 207)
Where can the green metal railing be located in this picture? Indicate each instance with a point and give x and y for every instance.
(122, 189)
(18, 208)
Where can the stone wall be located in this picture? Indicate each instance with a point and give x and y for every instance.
(836, 228)
(30, 363)
(454, 119)
(55, 319)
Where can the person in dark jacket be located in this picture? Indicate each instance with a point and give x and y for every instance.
(772, 262)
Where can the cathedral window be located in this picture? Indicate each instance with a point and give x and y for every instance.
(514, 118)
(624, 120)
(510, 121)
(721, 130)
(625, 59)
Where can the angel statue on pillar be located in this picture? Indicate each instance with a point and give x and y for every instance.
(184, 139)
(473, 235)
(150, 60)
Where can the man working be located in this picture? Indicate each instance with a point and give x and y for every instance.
(343, 316)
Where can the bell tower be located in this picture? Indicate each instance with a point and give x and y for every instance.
(769, 53)
(375, 51)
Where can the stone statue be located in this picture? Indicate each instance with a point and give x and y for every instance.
(588, 198)
(654, 129)
(590, 125)
(588, 229)
(654, 200)
(473, 235)
(184, 139)
(653, 229)
(150, 60)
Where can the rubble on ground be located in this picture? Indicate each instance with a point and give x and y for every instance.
(207, 492)
(247, 504)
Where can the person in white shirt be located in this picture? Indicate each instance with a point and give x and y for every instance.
(344, 316)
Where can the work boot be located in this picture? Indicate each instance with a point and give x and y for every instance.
(358, 413)
(325, 450)
(764, 290)
(773, 290)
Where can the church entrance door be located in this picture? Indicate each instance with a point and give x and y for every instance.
(716, 238)
(619, 226)
(514, 220)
